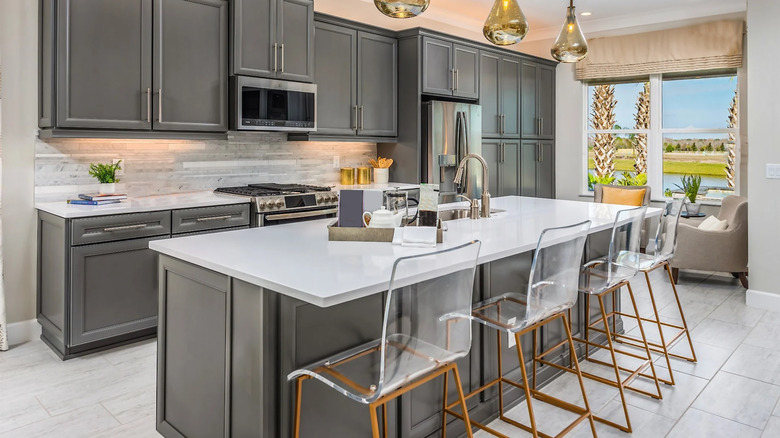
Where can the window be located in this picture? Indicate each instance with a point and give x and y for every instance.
(658, 130)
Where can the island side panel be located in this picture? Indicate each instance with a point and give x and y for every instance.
(193, 351)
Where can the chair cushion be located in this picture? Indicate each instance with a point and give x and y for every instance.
(616, 195)
(713, 224)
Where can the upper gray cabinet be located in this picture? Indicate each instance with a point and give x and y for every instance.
(190, 65)
(357, 82)
(538, 101)
(449, 69)
(500, 95)
(134, 65)
(273, 39)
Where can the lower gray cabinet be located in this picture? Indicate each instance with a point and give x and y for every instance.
(113, 290)
(537, 173)
(503, 157)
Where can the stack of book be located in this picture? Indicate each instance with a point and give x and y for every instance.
(98, 199)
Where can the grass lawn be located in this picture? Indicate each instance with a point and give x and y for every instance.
(676, 167)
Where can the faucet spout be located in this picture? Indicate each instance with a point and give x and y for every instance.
(485, 207)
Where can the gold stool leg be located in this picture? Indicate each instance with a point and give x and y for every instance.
(374, 422)
(444, 410)
(298, 391)
(660, 331)
(576, 363)
(500, 377)
(644, 340)
(682, 314)
(384, 419)
(466, 419)
(526, 387)
(618, 380)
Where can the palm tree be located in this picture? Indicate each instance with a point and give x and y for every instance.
(603, 117)
(731, 157)
(642, 118)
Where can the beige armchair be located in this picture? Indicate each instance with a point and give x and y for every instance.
(720, 251)
(598, 194)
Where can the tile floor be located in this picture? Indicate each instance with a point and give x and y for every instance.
(733, 390)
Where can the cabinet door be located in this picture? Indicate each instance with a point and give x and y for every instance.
(529, 151)
(510, 168)
(114, 290)
(190, 65)
(437, 67)
(336, 75)
(529, 124)
(254, 36)
(465, 61)
(491, 152)
(489, 92)
(510, 97)
(377, 85)
(545, 170)
(104, 73)
(546, 102)
(296, 39)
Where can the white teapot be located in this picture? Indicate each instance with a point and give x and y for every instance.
(382, 218)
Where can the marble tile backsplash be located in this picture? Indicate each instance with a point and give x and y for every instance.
(155, 167)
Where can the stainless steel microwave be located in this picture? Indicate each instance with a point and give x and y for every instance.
(271, 105)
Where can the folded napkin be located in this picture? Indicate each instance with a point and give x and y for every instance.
(417, 237)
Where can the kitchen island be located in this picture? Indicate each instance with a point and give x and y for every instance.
(240, 310)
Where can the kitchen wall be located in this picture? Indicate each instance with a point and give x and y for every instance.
(152, 167)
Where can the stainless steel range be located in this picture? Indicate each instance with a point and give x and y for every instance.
(274, 204)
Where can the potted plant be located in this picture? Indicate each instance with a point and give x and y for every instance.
(690, 187)
(106, 175)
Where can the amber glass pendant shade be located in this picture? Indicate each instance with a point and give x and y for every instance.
(402, 8)
(506, 23)
(570, 46)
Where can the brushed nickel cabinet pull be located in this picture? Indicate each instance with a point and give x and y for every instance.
(503, 152)
(361, 117)
(457, 80)
(214, 218)
(276, 56)
(159, 106)
(541, 125)
(148, 105)
(354, 125)
(124, 228)
(282, 48)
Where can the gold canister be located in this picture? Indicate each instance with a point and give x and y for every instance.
(347, 176)
(364, 175)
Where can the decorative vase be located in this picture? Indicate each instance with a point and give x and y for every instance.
(107, 188)
(381, 175)
(692, 208)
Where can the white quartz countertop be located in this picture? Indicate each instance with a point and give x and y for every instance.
(141, 204)
(298, 260)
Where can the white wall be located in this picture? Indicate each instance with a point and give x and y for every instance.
(764, 108)
(19, 46)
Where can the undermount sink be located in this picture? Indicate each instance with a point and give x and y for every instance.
(461, 213)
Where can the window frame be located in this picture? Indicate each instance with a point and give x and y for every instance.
(655, 134)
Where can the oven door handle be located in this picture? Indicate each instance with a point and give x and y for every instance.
(303, 214)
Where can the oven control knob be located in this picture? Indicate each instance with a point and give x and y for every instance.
(321, 199)
(334, 198)
(279, 203)
(261, 206)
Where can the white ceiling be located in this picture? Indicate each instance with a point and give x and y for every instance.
(545, 17)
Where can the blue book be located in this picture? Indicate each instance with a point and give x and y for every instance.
(87, 202)
(103, 197)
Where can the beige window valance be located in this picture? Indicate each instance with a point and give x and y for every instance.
(703, 47)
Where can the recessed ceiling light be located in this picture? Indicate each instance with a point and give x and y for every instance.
(585, 14)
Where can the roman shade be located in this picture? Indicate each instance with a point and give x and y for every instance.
(700, 48)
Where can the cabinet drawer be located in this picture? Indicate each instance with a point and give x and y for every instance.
(210, 218)
(120, 227)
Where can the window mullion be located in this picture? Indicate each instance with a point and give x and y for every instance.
(655, 159)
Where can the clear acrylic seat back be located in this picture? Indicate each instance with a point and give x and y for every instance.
(666, 234)
(623, 260)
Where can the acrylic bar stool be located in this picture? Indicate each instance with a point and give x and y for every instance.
(426, 328)
(603, 278)
(552, 290)
(665, 245)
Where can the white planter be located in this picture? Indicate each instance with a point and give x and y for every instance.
(107, 188)
(381, 175)
(693, 209)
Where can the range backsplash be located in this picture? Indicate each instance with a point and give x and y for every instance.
(153, 167)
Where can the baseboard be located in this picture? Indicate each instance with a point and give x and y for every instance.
(763, 300)
(23, 331)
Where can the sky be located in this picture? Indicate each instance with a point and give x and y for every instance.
(687, 103)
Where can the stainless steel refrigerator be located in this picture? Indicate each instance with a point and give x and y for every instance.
(450, 131)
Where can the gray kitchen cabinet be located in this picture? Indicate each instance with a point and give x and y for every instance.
(190, 65)
(500, 95)
(449, 69)
(538, 101)
(503, 157)
(537, 172)
(136, 66)
(273, 39)
(357, 82)
(102, 63)
(97, 278)
(491, 152)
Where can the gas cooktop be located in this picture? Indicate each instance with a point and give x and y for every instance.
(274, 197)
(271, 189)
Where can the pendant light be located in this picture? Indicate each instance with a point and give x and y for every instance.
(506, 23)
(570, 46)
(402, 8)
